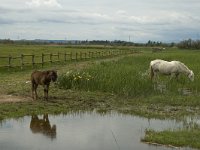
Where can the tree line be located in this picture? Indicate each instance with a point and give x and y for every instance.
(86, 42)
(189, 44)
(185, 44)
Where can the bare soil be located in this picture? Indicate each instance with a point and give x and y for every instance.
(12, 98)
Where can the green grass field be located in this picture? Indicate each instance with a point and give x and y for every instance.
(34, 56)
(129, 76)
(179, 138)
(121, 84)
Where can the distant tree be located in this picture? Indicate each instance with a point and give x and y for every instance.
(189, 44)
(6, 41)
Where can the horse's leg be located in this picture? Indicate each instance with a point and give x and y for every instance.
(35, 89)
(34, 92)
(46, 88)
(177, 76)
(45, 118)
(151, 73)
(156, 76)
(152, 77)
(172, 76)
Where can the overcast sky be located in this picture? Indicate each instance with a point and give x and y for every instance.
(142, 20)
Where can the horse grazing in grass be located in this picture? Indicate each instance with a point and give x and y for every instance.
(42, 78)
(172, 68)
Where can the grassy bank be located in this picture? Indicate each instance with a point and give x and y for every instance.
(180, 138)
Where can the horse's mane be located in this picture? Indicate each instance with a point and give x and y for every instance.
(183, 65)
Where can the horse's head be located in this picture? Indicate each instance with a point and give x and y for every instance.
(52, 74)
(191, 75)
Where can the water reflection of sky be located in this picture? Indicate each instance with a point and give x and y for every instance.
(82, 131)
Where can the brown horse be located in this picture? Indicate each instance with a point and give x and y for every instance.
(42, 78)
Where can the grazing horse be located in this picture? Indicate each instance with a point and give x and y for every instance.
(172, 68)
(42, 78)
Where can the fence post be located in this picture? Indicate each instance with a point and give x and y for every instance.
(85, 55)
(96, 54)
(22, 61)
(65, 56)
(58, 56)
(42, 60)
(92, 54)
(71, 56)
(9, 61)
(33, 60)
(51, 61)
(76, 56)
(80, 55)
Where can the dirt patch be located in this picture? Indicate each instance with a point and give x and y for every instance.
(12, 98)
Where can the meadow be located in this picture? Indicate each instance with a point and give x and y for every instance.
(130, 77)
(119, 83)
(33, 56)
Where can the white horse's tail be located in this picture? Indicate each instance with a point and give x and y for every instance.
(151, 72)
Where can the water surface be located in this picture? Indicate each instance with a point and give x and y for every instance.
(80, 131)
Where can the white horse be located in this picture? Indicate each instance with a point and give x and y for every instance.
(172, 68)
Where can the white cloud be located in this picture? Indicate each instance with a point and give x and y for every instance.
(100, 19)
(44, 3)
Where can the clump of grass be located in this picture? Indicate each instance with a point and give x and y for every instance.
(114, 77)
(179, 138)
(73, 79)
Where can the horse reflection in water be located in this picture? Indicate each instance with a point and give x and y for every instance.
(43, 126)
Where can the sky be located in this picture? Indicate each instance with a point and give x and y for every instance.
(127, 20)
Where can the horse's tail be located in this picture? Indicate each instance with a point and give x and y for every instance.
(151, 72)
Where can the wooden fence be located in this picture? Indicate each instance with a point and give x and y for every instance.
(32, 59)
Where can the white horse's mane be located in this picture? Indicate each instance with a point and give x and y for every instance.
(184, 66)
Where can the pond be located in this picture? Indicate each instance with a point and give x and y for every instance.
(80, 131)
